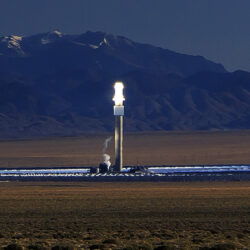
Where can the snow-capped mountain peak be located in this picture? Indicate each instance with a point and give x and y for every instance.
(51, 36)
(12, 41)
(11, 45)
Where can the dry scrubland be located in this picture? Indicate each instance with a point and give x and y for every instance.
(125, 215)
(140, 148)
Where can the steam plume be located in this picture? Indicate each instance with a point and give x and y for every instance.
(106, 160)
(106, 157)
(106, 143)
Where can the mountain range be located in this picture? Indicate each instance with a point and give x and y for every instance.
(58, 84)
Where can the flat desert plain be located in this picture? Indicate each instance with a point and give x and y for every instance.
(156, 148)
(157, 215)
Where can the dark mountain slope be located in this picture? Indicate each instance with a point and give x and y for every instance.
(54, 52)
(55, 84)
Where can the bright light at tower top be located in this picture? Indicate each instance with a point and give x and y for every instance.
(118, 98)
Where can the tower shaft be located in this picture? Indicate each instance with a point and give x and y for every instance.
(118, 142)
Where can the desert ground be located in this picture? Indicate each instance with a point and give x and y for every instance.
(143, 215)
(158, 215)
(156, 148)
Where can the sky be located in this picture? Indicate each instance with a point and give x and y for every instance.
(216, 29)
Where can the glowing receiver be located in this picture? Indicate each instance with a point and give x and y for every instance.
(118, 99)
